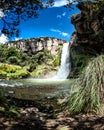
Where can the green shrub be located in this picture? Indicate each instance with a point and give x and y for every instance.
(100, 33)
(13, 60)
(6, 109)
(3, 56)
(12, 51)
(23, 56)
(12, 71)
(3, 104)
(33, 66)
(37, 73)
(56, 60)
(40, 56)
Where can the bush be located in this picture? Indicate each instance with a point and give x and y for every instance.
(33, 66)
(6, 53)
(3, 57)
(24, 56)
(6, 109)
(40, 56)
(37, 73)
(56, 61)
(87, 94)
(13, 60)
(12, 51)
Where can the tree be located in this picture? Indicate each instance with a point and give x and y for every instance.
(13, 11)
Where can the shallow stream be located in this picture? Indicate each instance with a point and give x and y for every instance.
(35, 88)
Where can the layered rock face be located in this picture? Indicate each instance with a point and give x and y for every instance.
(89, 25)
(88, 39)
(34, 45)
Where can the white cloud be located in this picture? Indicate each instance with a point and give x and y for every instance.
(60, 32)
(64, 34)
(64, 14)
(55, 30)
(3, 38)
(59, 3)
(16, 38)
(58, 16)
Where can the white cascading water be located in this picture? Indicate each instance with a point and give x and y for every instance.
(65, 65)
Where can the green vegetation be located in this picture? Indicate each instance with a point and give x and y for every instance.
(56, 61)
(100, 33)
(12, 71)
(17, 64)
(87, 94)
(6, 109)
(79, 59)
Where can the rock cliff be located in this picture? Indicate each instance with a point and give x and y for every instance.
(36, 61)
(88, 39)
(34, 45)
(89, 25)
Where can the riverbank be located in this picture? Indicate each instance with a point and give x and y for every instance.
(39, 116)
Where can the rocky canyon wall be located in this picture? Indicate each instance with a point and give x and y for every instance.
(89, 25)
(88, 39)
(34, 45)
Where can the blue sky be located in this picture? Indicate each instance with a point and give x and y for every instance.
(52, 22)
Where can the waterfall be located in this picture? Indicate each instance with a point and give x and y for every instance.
(65, 65)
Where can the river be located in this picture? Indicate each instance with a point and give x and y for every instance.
(35, 88)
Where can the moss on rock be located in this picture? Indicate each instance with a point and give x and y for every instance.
(79, 59)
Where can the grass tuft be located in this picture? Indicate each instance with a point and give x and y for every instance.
(87, 93)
